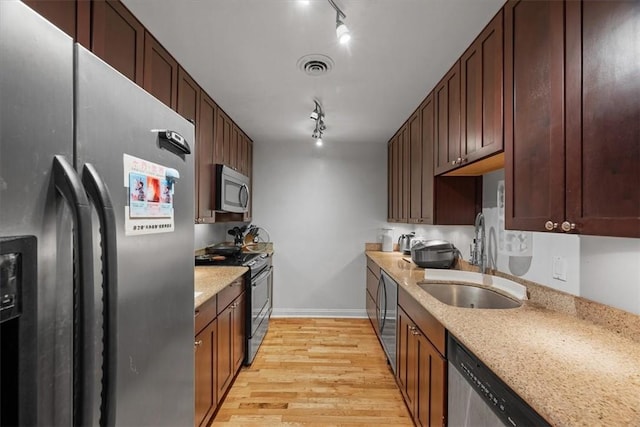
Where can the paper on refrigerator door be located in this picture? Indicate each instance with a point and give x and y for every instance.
(149, 208)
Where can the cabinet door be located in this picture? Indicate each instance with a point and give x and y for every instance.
(222, 146)
(405, 360)
(427, 115)
(71, 16)
(224, 363)
(247, 215)
(405, 170)
(603, 117)
(393, 179)
(397, 178)
(205, 368)
(372, 293)
(233, 148)
(534, 114)
(390, 189)
(447, 107)
(242, 153)
(204, 159)
(239, 307)
(188, 97)
(118, 38)
(481, 94)
(415, 166)
(430, 387)
(457, 199)
(160, 72)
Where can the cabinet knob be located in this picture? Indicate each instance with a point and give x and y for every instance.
(197, 343)
(549, 225)
(568, 226)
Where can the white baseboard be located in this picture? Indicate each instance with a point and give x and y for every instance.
(316, 312)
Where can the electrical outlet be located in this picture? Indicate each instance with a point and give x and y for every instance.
(560, 268)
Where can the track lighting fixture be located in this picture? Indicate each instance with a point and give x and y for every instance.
(318, 115)
(342, 32)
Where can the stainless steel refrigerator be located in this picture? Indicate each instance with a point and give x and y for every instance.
(96, 239)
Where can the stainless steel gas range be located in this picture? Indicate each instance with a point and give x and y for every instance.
(259, 291)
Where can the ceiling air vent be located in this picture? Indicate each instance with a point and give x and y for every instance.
(315, 65)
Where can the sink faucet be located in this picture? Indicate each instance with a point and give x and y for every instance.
(478, 249)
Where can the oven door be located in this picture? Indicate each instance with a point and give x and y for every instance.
(260, 298)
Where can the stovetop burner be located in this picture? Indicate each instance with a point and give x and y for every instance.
(240, 259)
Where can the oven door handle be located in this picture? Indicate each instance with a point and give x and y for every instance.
(260, 277)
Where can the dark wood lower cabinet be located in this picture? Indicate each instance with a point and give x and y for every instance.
(230, 342)
(205, 378)
(218, 349)
(421, 374)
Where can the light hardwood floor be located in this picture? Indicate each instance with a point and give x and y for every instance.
(316, 372)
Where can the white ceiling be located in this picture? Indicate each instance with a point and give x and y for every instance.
(244, 54)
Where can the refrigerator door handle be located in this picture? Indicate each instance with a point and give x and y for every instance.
(99, 195)
(175, 139)
(68, 184)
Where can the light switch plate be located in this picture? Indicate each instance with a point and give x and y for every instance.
(560, 268)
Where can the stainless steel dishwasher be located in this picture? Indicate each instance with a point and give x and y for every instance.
(478, 398)
(387, 313)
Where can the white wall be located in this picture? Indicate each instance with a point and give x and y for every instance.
(320, 206)
(208, 234)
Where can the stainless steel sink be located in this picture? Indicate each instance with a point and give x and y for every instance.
(468, 296)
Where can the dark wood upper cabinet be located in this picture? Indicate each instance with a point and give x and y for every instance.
(204, 160)
(396, 177)
(481, 68)
(427, 134)
(233, 148)
(188, 96)
(603, 117)
(415, 166)
(534, 114)
(572, 117)
(405, 171)
(447, 119)
(117, 37)
(71, 16)
(390, 192)
(160, 72)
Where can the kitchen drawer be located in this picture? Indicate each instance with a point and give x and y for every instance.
(229, 293)
(372, 285)
(205, 314)
(375, 268)
(428, 324)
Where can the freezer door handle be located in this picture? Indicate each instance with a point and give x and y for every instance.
(68, 184)
(99, 195)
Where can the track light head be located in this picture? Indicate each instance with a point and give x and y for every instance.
(342, 32)
(314, 115)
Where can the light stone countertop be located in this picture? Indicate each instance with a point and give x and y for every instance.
(212, 279)
(571, 371)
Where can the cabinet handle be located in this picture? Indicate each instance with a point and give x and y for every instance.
(549, 225)
(568, 226)
(197, 344)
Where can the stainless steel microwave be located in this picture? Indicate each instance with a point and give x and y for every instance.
(232, 190)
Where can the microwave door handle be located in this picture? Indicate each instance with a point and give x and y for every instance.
(246, 189)
(68, 184)
(99, 195)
